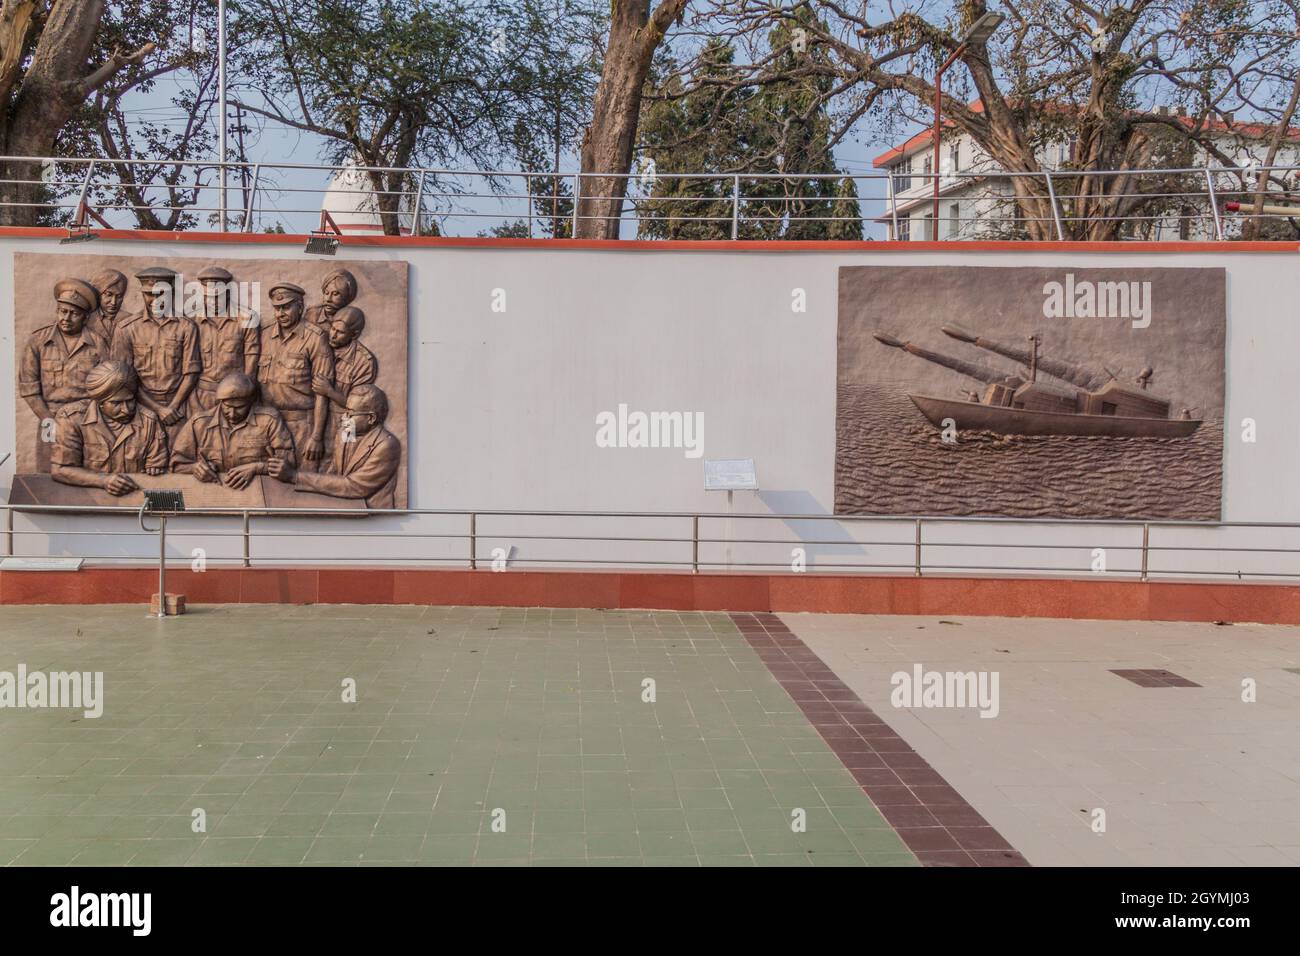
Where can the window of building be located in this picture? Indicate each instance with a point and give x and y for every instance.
(954, 157)
(954, 219)
(904, 229)
(902, 176)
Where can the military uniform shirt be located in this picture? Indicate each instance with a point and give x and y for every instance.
(224, 342)
(87, 440)
(290, 362)
(259, 437)
(56, 372)
(161, 351)
(353, 366)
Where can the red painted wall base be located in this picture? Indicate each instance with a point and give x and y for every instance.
(844, 594)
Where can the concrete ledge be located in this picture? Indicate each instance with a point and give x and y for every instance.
(1115, 600)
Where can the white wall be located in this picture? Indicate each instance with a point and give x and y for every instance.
(504, 406)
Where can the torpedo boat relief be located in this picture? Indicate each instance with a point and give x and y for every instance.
(1031, 391)
(1079, 401)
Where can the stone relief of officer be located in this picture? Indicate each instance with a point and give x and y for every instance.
(110, 436)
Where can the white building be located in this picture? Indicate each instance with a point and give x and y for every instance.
(975, 200)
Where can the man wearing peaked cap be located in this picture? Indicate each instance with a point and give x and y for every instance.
(286, 292)
(228, 337)
(163, 348)
(296, 361)
(52, 371)
(76, 293)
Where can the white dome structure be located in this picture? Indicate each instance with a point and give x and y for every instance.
(351, 202)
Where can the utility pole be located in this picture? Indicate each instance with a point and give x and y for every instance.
(221, 108)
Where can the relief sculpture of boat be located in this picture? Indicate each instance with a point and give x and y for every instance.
(1086, 403)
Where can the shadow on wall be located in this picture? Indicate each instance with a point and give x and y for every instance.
(817, 528)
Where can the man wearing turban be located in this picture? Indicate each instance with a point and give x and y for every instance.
(104, 440)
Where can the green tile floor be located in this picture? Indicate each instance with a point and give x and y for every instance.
(533, 718)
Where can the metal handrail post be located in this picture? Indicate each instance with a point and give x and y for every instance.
(893, 204)
(247, 225)
(735, 207)
(577, 197)
(419, 201)
(918, 548)
(1056, 212)
(248, 563)
(1214, 204)
(473, 541)
(162, 565)
(9, 532)
(79, 217)
(695, 544)
(1146, 541)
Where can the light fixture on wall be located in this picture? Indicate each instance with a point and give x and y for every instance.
(325, 240)
(77, 234)
(79, 229)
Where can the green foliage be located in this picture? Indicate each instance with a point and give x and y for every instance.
(767, 134)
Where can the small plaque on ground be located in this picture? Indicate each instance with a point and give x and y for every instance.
(41, 564)
(730, 474)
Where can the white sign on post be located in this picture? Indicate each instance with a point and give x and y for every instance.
(730, 474)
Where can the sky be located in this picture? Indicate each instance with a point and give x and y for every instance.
(277, 202)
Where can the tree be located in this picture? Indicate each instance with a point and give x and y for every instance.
(1128, 82)
(49, 66)
(393, 84)
(708, 121)
(560, 89)
(158, 192)
(635, 32)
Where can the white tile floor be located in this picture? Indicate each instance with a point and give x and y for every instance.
(1186, 776)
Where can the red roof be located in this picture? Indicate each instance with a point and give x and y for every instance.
(926, 136)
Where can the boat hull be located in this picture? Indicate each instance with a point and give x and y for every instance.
(1019, 421)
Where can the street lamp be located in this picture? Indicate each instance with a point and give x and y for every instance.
(979, 32)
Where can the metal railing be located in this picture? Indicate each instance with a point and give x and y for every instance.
(1206, 202)
(700, 542)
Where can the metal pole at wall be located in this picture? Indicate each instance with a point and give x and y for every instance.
(473, 541)
(918, 548)
(162, 565)
(577, 198)
(735, 207)
(1146, 541)
(695, 544)
(221, 105)
(938, 112)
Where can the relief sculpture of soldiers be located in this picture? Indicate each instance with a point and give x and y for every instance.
(229, 381)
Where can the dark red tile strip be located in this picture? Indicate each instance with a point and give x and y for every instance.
(933, 819)
(1153, 677)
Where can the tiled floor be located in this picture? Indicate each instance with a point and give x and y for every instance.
(1186, 770)
(463, 717)
(934, 820)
